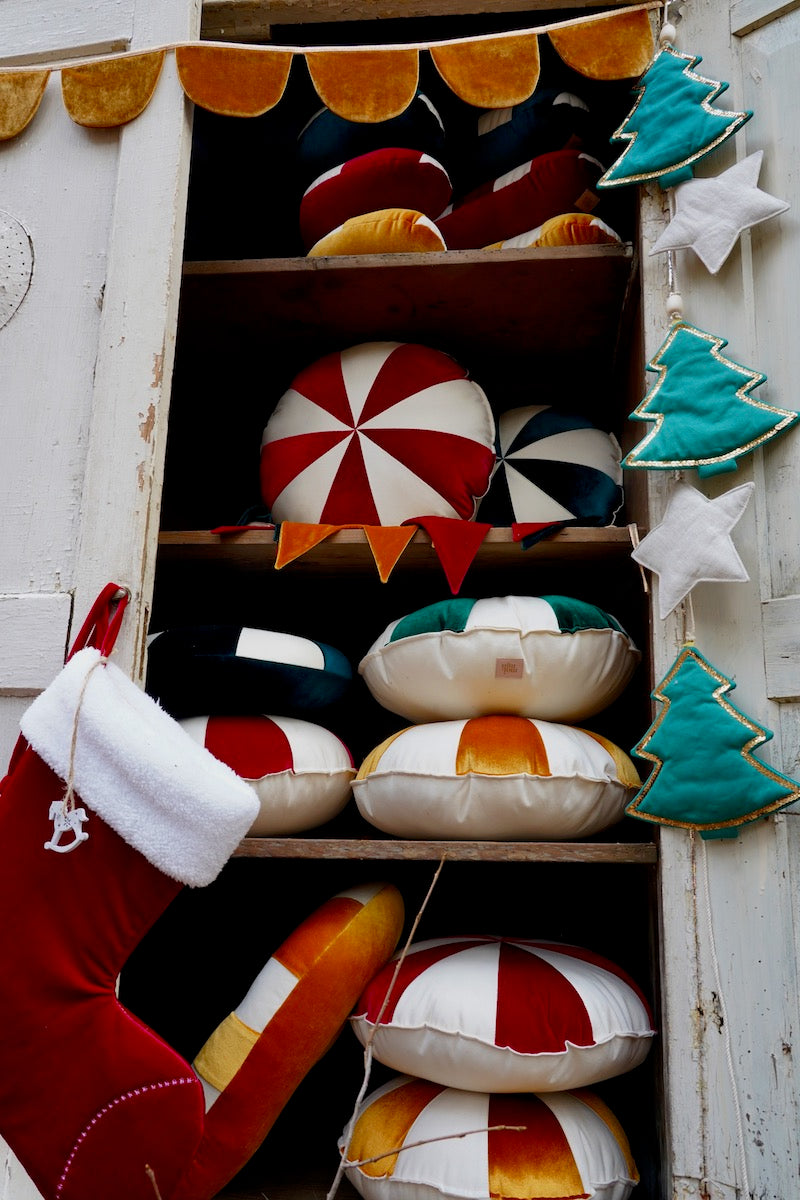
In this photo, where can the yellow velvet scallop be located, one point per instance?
(20, 96)
(618, 46)
(113, 91)
(365, 85)
(231, 80)
(494, 73)
(387, 231)
(567, 229)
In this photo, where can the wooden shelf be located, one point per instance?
(256, 549)
(641, 853)
(551, 300)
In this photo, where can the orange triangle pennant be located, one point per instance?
(456, 543)
(387, 543)
(295, 538)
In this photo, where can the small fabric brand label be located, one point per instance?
(509, 668)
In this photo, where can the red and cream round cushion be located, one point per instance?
(378, 434)
(559, 1145)
(497, 1015)
(301, 772)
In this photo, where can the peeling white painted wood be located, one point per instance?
(749, 15)
(782, 647)
(33, 634)
(59, 27)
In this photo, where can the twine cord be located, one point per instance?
(348, 1133)
(68, 802)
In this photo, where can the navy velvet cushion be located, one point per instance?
(328, 140)
(233, 669)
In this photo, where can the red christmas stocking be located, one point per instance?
(92, 1102)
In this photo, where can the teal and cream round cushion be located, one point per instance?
(551, 657)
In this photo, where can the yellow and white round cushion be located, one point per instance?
(504, 1015)
(499, 778)
(560, 1145)
(553, 657)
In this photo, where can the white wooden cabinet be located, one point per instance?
(88, 359)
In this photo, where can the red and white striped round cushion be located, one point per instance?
(496, 1015)
(559, 1145)
(378, 434)
(301, 772)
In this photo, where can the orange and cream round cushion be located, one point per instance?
(498, 777)
(559, 1145)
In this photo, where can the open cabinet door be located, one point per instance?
(730, 940)
(95, 216)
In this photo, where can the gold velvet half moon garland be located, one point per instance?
(359, 83)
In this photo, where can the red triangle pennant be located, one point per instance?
(456, 543)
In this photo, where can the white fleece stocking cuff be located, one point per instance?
(170, 799)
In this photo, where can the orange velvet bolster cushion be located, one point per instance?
(293, 1011)
(387, 231)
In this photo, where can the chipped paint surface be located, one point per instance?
(147, 424)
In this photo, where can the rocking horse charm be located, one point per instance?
(66, 820)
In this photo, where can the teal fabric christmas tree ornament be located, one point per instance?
(705, 416)
(705, 775)
(673, 123)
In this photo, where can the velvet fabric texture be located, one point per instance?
(505, 1015)
(113, 91)
(560, 1146)
(497, 778)
(551, 657)
(558, 182)
(378, 434)
(253, 1062)
(390, 178)
(20, 96)
(234, 82)
(234, 670)
(86, 1090)
(388, 231)
(301, 772)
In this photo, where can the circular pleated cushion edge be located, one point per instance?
(499, 778)
(502, 1015)
(560, 1145)
(235, 670)
(293, 1011)
(301, 772)
(495, 660)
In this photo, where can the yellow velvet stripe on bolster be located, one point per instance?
(626, 771)
(365, 85)
(614, 47)
(112, 92)
(495, 73)
(225, 1051)
(20, 96)
(231, 81)
(501, 746)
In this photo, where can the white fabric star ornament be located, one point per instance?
(712, 213)
(693, 543)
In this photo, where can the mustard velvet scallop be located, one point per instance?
(387, 231)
